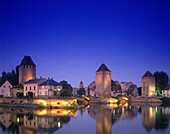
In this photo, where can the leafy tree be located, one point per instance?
(113, 85)
(66, 86)
(19, 95)
(81, 91)
(30, 94)
(12, 77)
(64, 92)
(161, 81)
(139, 91)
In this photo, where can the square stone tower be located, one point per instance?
(27, 70)
(103, 82)
(148, 84)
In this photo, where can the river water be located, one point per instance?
(100, 119)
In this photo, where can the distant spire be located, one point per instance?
(81, 82)
(103, 68)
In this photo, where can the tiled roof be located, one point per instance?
(103, 68)
(50, 82)
(34, 81)
(75, 89)
(148, 74)
(18, 86)
(27, 61)
(167, 88)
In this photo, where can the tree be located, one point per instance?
(66, 86)
(30, 94)
(113, 85)
(161, 81)
(81, 91)
(12, 77)
(139, 91)
(19, 95)
(64, 92)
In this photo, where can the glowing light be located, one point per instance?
(18, 119)
(42, 112)
(59, 124)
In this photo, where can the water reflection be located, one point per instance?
(29, 121)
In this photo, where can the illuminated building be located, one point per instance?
(148, 84)
(166, 92)
(15, 89)
(32, 86)
(27, 70)
(49, 88)
(5, 89)
(103, 82)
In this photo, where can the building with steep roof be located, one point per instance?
(32, 86)
(103, 82)
(166, 91)
(49, 88)
(5, 89)
(148, 84)
(27, 70)
(15, 89)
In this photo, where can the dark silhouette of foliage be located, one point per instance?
(139, 91)
(12, 77)
(66, 86)
(64, 92)
(161, 80)
(81, 91)
(113, 85)
(30, 94)
(19, 95)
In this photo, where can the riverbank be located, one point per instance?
(145, 100)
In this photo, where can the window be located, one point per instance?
(34, 87)
(4, 86)
(30, 88)
(26, 88)
(58, 87)
(55, 87)
(45, 92)
(9, 86)
(50, 87)
(40, 87)
(2, 91)
(40, 92)
(34, 94)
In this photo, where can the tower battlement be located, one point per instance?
(27, 70)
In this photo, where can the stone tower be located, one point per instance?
(148, 84)
(81, 85)
(27, 70)
(103, 82)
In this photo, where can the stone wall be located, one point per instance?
(145, 100)
(103, 84)
(26, 72)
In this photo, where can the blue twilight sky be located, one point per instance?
(70, 39)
